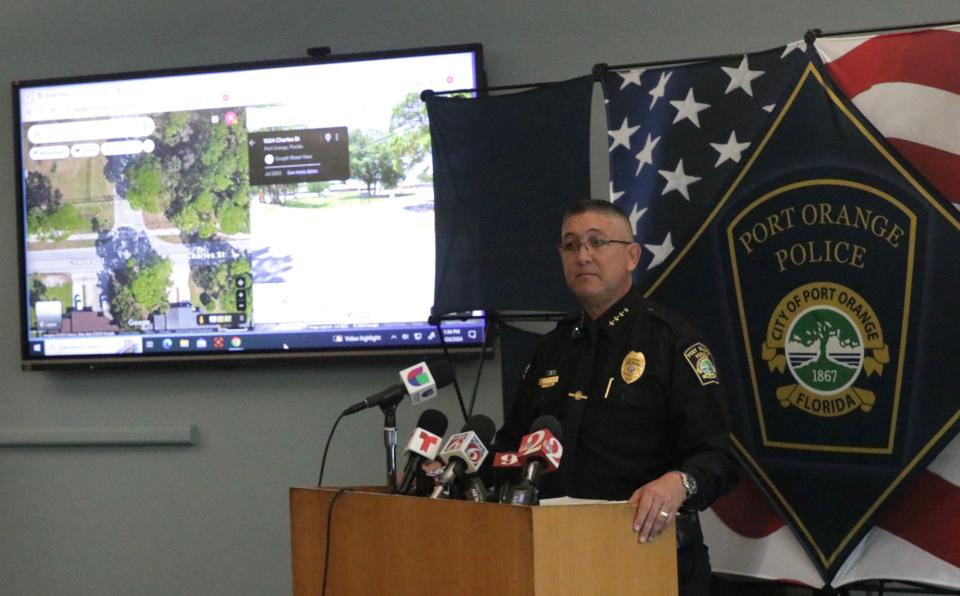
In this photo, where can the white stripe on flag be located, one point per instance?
(777, 556)
(902, 111)
(831, 49)
(883, 555)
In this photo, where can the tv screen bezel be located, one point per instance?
(97, 361)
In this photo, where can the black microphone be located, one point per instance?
(439, 374)
(506, 473)
(465, 452)
(540, 451)
(423, 446)
(474, 489)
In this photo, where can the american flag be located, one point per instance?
(916, 537)
(907, 85)
(678, 133)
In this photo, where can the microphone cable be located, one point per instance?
(446, 354)
(488, 332)
(326, 449)
(488, 328)
(326, 551)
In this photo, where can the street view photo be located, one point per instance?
(275, 208)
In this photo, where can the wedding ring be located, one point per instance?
(663, 514)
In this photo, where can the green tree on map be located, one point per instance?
(47, 216)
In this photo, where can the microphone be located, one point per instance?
(423, 446)
(506, 465)
(464, 452)
(420, 384)
(474, 490)
(419, 381)
(540, 452)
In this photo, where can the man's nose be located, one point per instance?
(584, 253)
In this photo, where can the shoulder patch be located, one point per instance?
(701, 361)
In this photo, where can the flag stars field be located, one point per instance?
(635, 214)
(621, 136)
(678, 180)
(631, 77)
(660, 89)
(741, 77)
(660, 252)
(689, 109)
(731, 150)
(726, 102)
(614, 195)
(645, 157)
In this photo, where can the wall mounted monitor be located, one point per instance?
(273, 209)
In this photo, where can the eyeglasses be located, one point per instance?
(594, 243)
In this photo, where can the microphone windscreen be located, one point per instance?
(433, 421)
(443, 373)
(548, 422)
(483, 426)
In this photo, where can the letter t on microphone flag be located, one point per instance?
(506, 167)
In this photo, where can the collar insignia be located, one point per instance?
(616, 318)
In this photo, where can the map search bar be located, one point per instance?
(91, 130)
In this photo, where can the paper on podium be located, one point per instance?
(578, 501)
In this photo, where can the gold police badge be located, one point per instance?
(632, 366)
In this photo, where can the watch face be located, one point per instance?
(689, 483)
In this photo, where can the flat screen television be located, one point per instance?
(270, 209)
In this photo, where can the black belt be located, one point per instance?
(688, 529)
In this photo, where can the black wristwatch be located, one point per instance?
(689, 484)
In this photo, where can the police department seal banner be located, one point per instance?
(818, 312)
(823, 279)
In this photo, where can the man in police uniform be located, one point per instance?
(636, 391)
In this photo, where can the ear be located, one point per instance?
(633, 251)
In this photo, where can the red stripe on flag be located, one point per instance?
(940, 168)
(746, 511)
(926, 515)
(923, 57)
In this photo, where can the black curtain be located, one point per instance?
(505, 169)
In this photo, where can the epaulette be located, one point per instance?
(673, 320)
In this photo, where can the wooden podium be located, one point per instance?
(398, 545)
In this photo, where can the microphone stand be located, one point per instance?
(389, 408)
